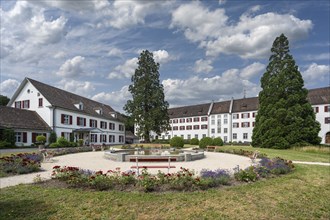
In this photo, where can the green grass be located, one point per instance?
(303, 194)
(310, 154)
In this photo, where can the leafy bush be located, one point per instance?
(5, 144)
(54, 145)
(73, 144)
(205, 141)
(80, 142)
(62, 142)
(8, 135)
(177, 142)
(217, 177)
(52, 137)
(217, 141)
(41, 139)
(194, 141)
(247, 175)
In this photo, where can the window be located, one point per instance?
(104, 125)
(182, 136)
(121, 128)
(182, 120)
(175, 128)
(225, 116)
(253, 123)
(66, 119)
(225, 139)
(245, 136)
(245, 124)
(235, 125)
(189, 127)
(163, 137)
(169, 137)
(170, 121)
(254, 114)
(81, 121)
(196, 136)
(203, 118)
(66, 135)
(219, 121)
(175, 121)
(93, 138)
(316, 109)
(225, 121)
(203, 126)
(196, 127)
(235, 116)
(212, 131)
(112, 126)
(189, 120)
(103, 137)
(40, 102)
(112, 138)
(81, 106)
(189, 136)
(225, 130)
(245, 115)
(92, 123)
(19, 137)
(182, 127)
(204, 135)
(326, 108)
(26, 104)
(196, 119)
(212, 121)
(219, 130)
(234, 136)
(121, 138)
(18, 104)
(327, 120)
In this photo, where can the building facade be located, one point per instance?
(234, 120)
(70, 115)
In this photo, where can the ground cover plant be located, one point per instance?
(303, 194)
(21, 163)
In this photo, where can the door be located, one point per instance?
(327, 138)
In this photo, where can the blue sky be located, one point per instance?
(207, 50)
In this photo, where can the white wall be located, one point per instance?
(320, 117)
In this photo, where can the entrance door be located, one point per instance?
(327, 138)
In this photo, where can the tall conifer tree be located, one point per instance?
(285, 117)
(148, 108)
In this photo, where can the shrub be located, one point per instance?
(8, 135)
(73, 144)
(177, 142)
(5, 144)
(247, 175)
(216, 178)
(194, 141)
(205, 141)
(80, 142)
(52, 137)
(54, 145)
(41, 139)
(217, 141)
(62, 142)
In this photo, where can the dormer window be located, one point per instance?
(99, 111)
(114, 114)
(80, 106)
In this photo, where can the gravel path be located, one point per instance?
(95, 161)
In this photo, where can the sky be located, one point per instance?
(209, 50)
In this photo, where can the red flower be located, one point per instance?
(99, 172)
(56, 167)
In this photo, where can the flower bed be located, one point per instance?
(183, 180)
(240, 152)
(19, 164)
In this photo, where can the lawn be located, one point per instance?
(303, 194)
(310, 154)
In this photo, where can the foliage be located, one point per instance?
(5, 144)
(52, 137)
(63, 142)
(41, 139)
(148, 108)
(194, 141)
(4, 100)
(215, 178)
(285, 117)
(217, 141)
(8, 135)
(80, 142)
(54, 145)
(247, 175)
(205, 141)
(177, 142)
(19, 164)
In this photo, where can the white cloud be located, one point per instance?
(116, 99)
(316, 73)
(316, 57)
(8, 87)
(203, 66)
(222, 2)
(72, 67)
(252, 70)
(115, 52)
(59, 55)
(250, 37)
(78, 87)
(124, 71)
(161, 56)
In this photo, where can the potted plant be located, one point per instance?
(41, 140)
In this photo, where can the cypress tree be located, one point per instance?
(148, 109)
(285, 118)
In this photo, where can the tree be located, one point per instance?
(285, 117)
(148, 109)
(4, 100)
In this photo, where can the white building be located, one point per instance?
(234, 120)
(69, 114)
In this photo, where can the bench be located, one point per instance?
(151, 167)
(254, 156)
(211, 148)
(138, 167)
(146, 159)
